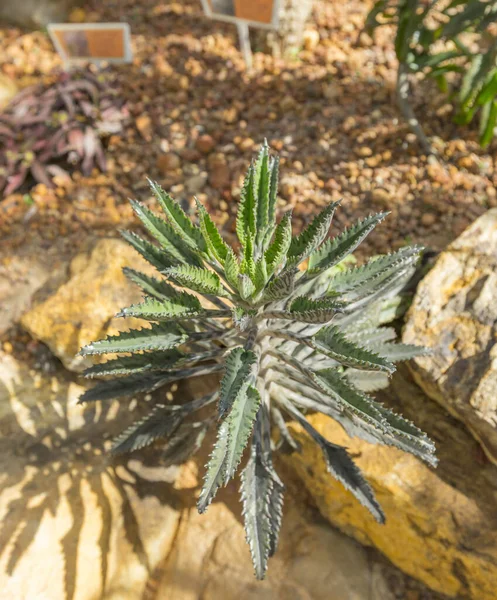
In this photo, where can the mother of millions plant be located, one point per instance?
(292, 327)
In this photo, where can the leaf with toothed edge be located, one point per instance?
(232, 269)
(158, 337)
(331, 341)
(276, 253)
(178, 219)
(239, 364)
(337, 248)
(196, 279)
(215, 469)
(152, 254)
(136, 363)
(240, 422)
(173, 245)
(256, 490)
(304, 244)
(342, 467)
(183, 305)
(157, 288)
(216, 246)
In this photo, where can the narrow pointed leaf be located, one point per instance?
(231, 269)
(172, 243)
(159, 289)
(240, 424)
(239, 366)
(256, 489)
(216, 469)
(154, 255)
(276, 253)
(304, 244)
(199, 280)
(137, 363)
(181, 223)
(336, 249)
(217, 247)
(331, 341)
(158, 337)
(182, 306)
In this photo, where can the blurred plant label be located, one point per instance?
(256, 13)
(91, 42)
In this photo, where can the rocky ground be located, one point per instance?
(197, 118)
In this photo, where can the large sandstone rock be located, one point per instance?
(83, 309)
(210, 561)
(454, 313)
(440, 524)
(74, 526)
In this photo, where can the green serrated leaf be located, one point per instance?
(256, 493)
(216, 469)
(276, 253)
(334, 383)
(247, 209)
(181, 223)
(245, 287)
(196, 279)
(263, 190)
(261, 275)
(311, 238)
(336, 249)
(217, 247)
(154, 255)
(239, 367)
(137, 363)
(240, 422)
(181, 306)
(231, 269)
(158, 337)
(173, 245)
(273, 196)
(331, 341)
(159, 289)
(281, 286)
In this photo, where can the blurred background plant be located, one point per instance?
(47, 130)
(454, 43)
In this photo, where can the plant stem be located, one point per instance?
(403, 89)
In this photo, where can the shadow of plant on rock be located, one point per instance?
(68, 511)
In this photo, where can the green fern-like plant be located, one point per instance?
(289, 321)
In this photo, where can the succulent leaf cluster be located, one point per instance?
(47, 129)
(291, 325)
(444, 38)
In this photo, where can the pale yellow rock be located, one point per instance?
(454, 313)
(440, 524)
(210, 561)
(83, 309)
(73, 526)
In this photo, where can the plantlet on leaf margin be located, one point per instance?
(287, 341)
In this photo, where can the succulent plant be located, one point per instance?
(439, 38)
(47, 128)
(289, 322)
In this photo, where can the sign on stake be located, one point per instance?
(256, 13)
(79, 43)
